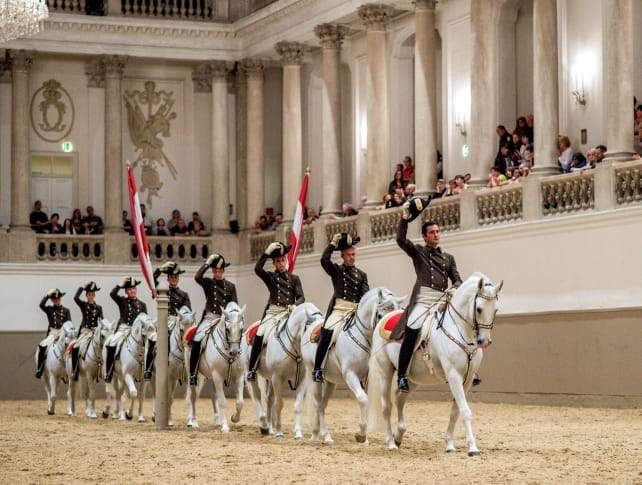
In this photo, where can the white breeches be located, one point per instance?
(342, 308)
(210, 320)
(424, 306)
(273, 316)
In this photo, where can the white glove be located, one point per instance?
(335, 240)
(272, 247)
(405, 215)
(210, 260)
(51, 292)
(450, 292)
(124, 281)
(167, 266)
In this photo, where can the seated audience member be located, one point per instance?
(578, 163)
(278, 220)
(95, 222)
(524, 170)
(452, 187)
(86, 227)
(467, 178)
(525, 143)
(147, 220)
(410, 190)
(503, 159)
(76, 220)
(517, 145)
(195, 217)
(495, 178)
(440, 189)
(504, 137)
(600, 152)
(54, 227)
(515, 176)
(397, 182)
(172, 221)
(347, 210)
(180, 229)
(197, 230)
(309, 215)
(529, 155)
(460, 184)
(262, 224)
(521, 126)
(160, 229)
(68, 227)
(38, 219)
(388, 203)
(127, 224)
(408, 170)
(566, 153)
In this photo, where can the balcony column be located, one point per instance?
(240, 84)
(220, 152)
(21, 62)
(292, 56)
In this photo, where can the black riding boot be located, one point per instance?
(405, 356)
(109, 363)
(322, 349)
(257, 346)
(40, 363)
(149, 360)
(194, 357)
(74, 362)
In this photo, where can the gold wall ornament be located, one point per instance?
(145, 130)
(52, 112)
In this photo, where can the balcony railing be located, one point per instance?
(181, 249)
(259, 242)
(499, 205)
(66, 6)
(67, 247)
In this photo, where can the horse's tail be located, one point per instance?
(375, 375)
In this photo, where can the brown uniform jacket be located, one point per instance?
(56, 315)
(92, 313)
(217, 293)
(285, 288)
(128, 308)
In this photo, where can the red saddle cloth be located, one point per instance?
(70, 346)
(389, 322)
(315, 334)
(251, 332)
(189, 334)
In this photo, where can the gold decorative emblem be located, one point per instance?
(145, 130)
(52, 112)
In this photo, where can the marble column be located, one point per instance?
(255, 150)
(425, 97)
(619, 78)
(114, 174)
(331, 37)
(375, 17)
(241, 148)
(484, 16)
(220, 151)
(546, 101)
(20, 163)
(291, 56)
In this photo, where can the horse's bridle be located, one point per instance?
(475, 324)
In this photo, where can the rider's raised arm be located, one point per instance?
(402, 240)
(43, 304)
(326, 261)
(453, 274)
(260, 271)
(299, 297)
(77, 299)
(199, 277)
(114, 294)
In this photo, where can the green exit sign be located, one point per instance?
(67, 146)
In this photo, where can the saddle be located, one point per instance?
(315, 335)
(251, 332)
(390, 328)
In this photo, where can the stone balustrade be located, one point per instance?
(608, 187)
(66, 6)
(167, 9)
(69, 247)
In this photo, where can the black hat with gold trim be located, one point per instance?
(171, 269)
(216, 261)
(278, 249)
(55, 293)
(347, 241)
(129, 282)
(91, 286)
(416, 206)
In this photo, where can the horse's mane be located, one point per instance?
(470, 284)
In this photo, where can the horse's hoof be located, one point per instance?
(450, 450)
(50, 413)
(235, 418)
(105, 414)
(360, 438)
(225, 429)
(279, 434)
(265, 431)
(92, 416)
(71, 414)
(141, 419)
(392, 446)
(153, 419)
(170, 424)
(298, 436)
(328, 440)
(129, 416)
(473, 453)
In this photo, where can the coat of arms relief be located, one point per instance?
(149, 113)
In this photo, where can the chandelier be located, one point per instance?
(19, 18)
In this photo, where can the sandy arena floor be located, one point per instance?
(526, 444)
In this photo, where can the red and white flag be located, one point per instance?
(139, 230)
(297, 224)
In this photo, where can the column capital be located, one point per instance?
(331, 35)
(219, 70)
(114, 66)
(202, 78)
(95, 71)
(253, 69)
(425, 4)
(375, 16)
(291, 52)
(21, 60)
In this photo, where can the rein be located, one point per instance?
(293, 354)
(229, 358)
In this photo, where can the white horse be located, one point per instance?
(176, 362)
(282, 363)
(220, 360)
(347, 361)
(453, 354)
(54, 368)
(88, 368)
(128, 367)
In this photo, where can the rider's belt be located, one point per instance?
(344, 305)
(429, 296)
(275, 310)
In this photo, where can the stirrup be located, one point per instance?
(251, 375)
(476, 380)
(317, 375)
(403, 384)
(193, 380)
(147, 375)
(39, 373)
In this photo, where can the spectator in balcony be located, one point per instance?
(397, 182)
(600, 152)
(127, 224)
(452, 187)
(529, 155)
(521, 125)
(68, 227)
(460, 184)
(95, 222)
(173, 221)
(180, 229)
(566, 153)
(530, 121)
(467, 178)
(578, 163)
(198, 230)
(277, 221)
(54, 227)
(516, 138)
(38, 219)
(515, 176)
(503, 159)
(392, 201)
(160, 228)
(525, 143)
(76, 220)
(408, 170)
(637, 128)
(440, 189)
(309, 215)
(347, 210)
(409, 191)
(504, 137)
(147, 220)
(196, 218)
(495, 178)
(524, 170)
(262, 224)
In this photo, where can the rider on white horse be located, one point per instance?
(350, 284)
(92, 314)
(285, 291)
(129, 307)
(57, 315)
(177, 300)
(433, 268)
(218, 293)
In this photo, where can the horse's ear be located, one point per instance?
(380, 294)
(499, 287)
(480, 285)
